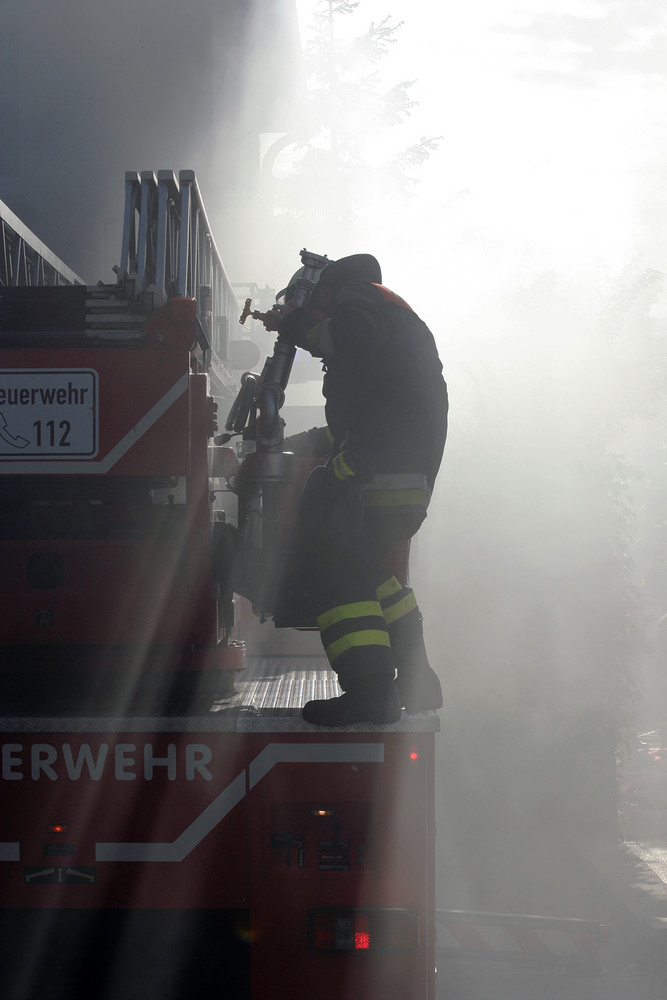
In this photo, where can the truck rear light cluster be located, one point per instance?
(371, 929)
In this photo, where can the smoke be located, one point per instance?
(531, 243)
(528, 248)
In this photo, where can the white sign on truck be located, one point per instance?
(48, 413)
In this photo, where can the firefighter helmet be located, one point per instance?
(357, 267)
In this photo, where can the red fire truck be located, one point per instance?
(170, 827)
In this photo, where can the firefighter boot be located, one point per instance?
(418, 685)
(373, 700)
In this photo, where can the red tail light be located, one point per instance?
(375, 928)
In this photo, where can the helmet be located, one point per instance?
(357, 267)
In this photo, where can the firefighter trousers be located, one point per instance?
(364, 614)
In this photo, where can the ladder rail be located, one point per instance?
(168, 249)
(25, 260)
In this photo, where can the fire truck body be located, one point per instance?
(240, 850)
(169, 825)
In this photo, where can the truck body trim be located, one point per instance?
(313, 753)
(215, 812)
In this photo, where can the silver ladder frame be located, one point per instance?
(168, 249)
(25, 260)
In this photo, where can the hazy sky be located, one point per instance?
(552, 113)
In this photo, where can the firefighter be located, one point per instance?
(386, 411)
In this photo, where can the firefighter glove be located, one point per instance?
(294, 326)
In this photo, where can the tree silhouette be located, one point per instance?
(326, 173)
